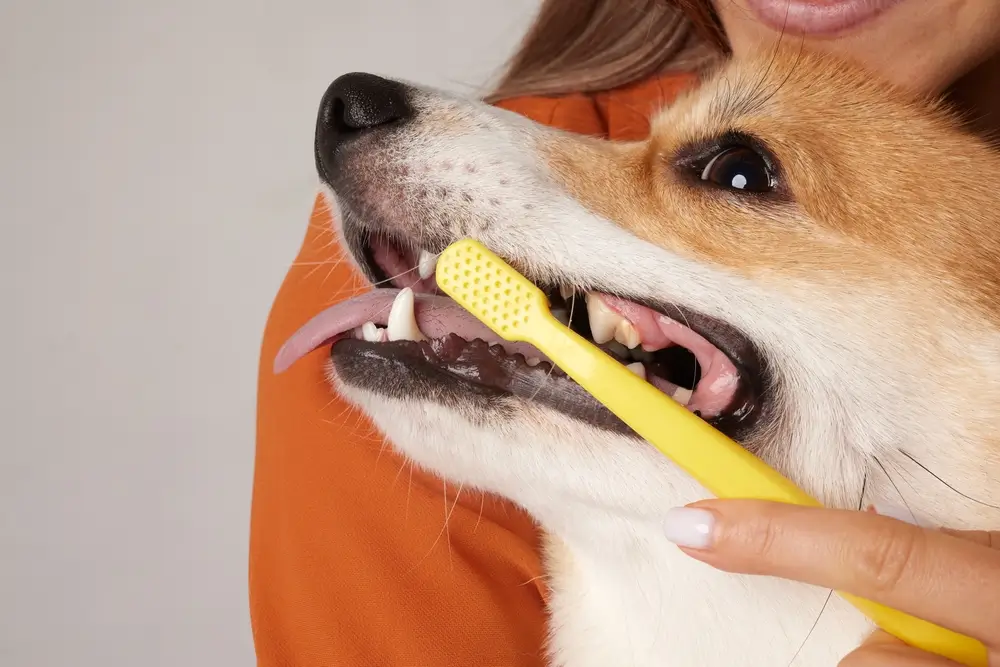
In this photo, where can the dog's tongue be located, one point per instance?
(437, 316)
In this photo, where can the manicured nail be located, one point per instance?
(893, 512)
(689, 527)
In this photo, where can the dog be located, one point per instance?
(805, 256)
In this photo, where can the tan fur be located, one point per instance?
(887, 188)
(883, 181)
(868, 280)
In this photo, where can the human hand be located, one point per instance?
(947, 577)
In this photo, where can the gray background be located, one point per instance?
(155, 182)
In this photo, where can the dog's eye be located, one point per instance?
(739, 168)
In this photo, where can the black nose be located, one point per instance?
(355, 103)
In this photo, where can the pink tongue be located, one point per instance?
(437, 316)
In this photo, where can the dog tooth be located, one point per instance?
(370, 332)
(561, 315)
(532, 361)
(638, 369)
(566, 292)
(426, 264)
(683, 395)
(603, 320)
(402, 321)
(626, 334)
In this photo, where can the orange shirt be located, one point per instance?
(357, 559)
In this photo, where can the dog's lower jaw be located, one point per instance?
(621, 594)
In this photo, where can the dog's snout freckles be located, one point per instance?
(427, 165)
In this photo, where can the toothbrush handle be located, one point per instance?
(736, 472)
(669, 426)
(922, 634)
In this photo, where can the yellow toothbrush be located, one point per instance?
(514, 308)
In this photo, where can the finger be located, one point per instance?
(987, 538)
(944, 579)
(884, 650)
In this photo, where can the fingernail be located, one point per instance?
(689, 527)
(893, 512)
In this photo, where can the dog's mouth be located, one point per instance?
(405, 331)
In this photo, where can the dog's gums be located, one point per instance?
(413, 325)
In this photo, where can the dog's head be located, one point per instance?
(806, 257)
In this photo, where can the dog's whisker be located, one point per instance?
(447, 519)
(482, 506)
(812, 629)
(381, 450)
(388, 281)
(445, 528)
(324, 262)
(345, 293)
(899, 493)
(402, 465)
(316, 267)
(537, 577)
(829, 593)
(938, 478)
(409, 489)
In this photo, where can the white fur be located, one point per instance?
(622, 594)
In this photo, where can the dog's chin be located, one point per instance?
(518, 448)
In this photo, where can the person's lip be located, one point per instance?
(818, 17)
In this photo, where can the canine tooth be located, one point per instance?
(426, 264)
(626, 334)
(561, 315)
(370, 332)
(566, 292)
(402, 321)
(683, 395)
(638, 369)
(603, 320)
(532, 361)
